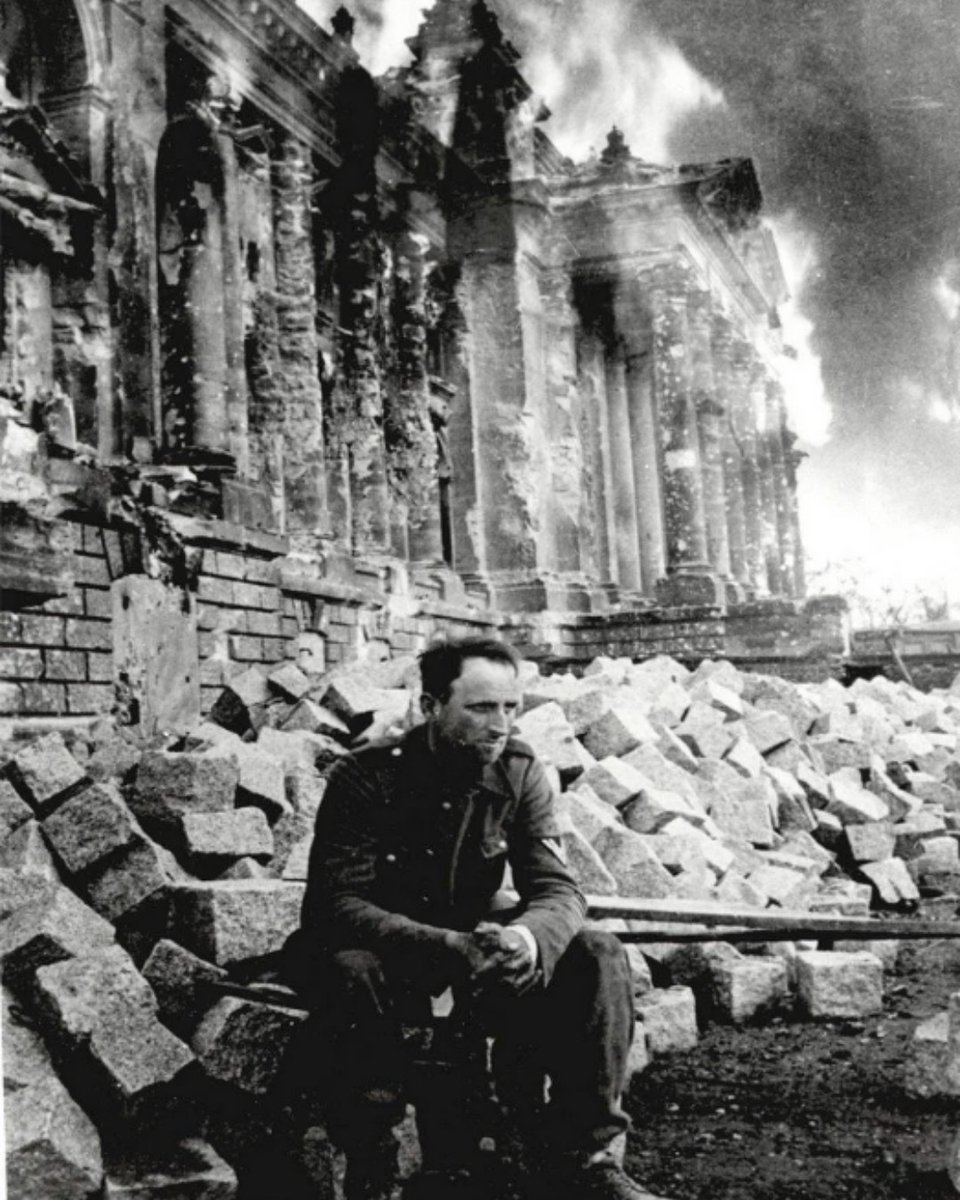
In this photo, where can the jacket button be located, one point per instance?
(396, 752)
(445, 804)
(429, 852)
(391, 858)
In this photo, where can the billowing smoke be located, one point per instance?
(851, 112)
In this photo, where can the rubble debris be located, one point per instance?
(716, 786)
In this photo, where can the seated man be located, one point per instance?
(410, 849)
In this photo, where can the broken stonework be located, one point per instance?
(169, 783)
(45, 773)
(744, 812)
(669, 1017)
(617, 731)
(52, 924)
(260, 780)
(210, 840)
(925, 1069)
(587, 866)
(140, 873)
(242, 1043)
(614, 781)
(225, 921)
(14, 811)
(88, 827)
(106, 1013)
(748, 988)
(832, 984)
(27, 852)
(634, 866)
(870, 843)
(242, 704)
(177, 977)
(549, 734)
(892, 881)
(192, 1169)
(52, 1146)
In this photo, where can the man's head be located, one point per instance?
(471, 695)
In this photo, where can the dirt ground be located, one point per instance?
(793, 1110)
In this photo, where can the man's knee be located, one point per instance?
(602, 950)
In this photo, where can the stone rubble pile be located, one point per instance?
(131, 874)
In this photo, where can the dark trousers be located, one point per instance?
(577, 1030)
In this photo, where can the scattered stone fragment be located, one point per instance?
(586, 811)
(242, 704)
(52, 1147)
(14, 810)
(242, 1042)
(212, 839)
(88, 827)
(871, 843)
(550, 735)
(45, 773)
(26, 851)
(177, 977)
(52, 924)
(587, 866)
(631, 862)
(191, 1169)
(925, 1068)
(745, 758)
(669, 1017)
(120, 885)
(745, 812)
(305, 790)
(171, 783)
(613, 780)
(653, 808)
(832, 984)
(892, 881)
(225, 921)
(620, 729)
(245, 868)
(314, 718)
(289, 681)
(106, 1012)
(852, 804)
(748, 988)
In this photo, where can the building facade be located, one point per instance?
(299, 363)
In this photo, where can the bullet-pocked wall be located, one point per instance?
(342, 362)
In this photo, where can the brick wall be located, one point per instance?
(56, 658)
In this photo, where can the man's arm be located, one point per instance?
(339, 911)
(552, 905)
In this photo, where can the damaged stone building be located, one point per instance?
(300, 364)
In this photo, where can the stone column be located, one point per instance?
(626, 533)
(786, 549)
(690, 579)
(792, 459)
(646, 470)
(357, 419)
(297, 344)
(769, 540)
(709, 410)
(568, 512)
(730, 455)
(593, 388)
(744, 426)
(411, 442)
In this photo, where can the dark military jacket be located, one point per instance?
(402, 851)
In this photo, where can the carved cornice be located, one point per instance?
(288, 61)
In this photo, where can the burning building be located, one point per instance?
(296, 363)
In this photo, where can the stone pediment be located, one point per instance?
(41, 185)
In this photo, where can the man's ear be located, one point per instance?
(428, 704)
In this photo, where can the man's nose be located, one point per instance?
(500, 722)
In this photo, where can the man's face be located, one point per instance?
(475, 719)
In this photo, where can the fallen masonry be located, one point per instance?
(134, 874)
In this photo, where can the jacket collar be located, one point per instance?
(492, 778)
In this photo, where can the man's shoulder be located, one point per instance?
(518, 749)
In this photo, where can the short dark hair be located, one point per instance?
(442, 663)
